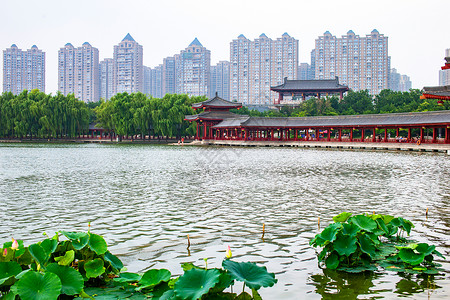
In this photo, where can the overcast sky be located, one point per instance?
(418, 31)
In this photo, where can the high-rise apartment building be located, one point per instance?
(360, 62)
(128, 66)
(147, 90)
(157, 82)
(444, 75)
(220, 80)
(23, 70)
(399, 82)
(78, 72)
(192, 67)
(257, 65)
(106, 72)
(304, 72)
(169, 75)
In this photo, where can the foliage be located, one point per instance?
(78, 264)
(362, 242)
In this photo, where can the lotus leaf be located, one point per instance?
(188, 266)
(332, 261)
(364, 222)
(66, 259)
(49, 245)
(425, 248)
(195, 283)
(367, 246)
(382, 226)
(154, 277)
(342, 217)
(35, 286)
(115, 262)
(244, 296)
(329, 233)
(387, 218)
(79, 239)
(39, 254)
(350, 229)
(97, 244)
(252, 275)
(345, 244)
(71, 280)
(411, 257)
(317, 241)
(128, 277)
(162, 292)
(8, 270)
(406, 225)
(19, 251)
(225, 280)
(438, 254)
(358, 269)
(94, 268)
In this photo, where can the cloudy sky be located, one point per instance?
(418, 31)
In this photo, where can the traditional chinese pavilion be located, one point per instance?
(304, 88)
(215, 110)
(440, 93)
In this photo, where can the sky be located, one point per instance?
(418, 31)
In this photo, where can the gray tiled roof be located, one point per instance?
(217, 102)
(212, 115)
(310, 85)
(437, 90)
(379, 120)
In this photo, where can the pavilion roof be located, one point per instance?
(310, 85)
(437, 92)
(212, 115)
(369, 120)
(217, 102)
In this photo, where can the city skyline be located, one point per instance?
(416, 41)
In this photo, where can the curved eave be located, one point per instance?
(437, 97)
(340, 89)
(194, 106)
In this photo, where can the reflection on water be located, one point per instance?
(146, 199)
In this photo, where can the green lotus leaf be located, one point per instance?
(411, 257)
(367, 246)
(322, 254)
(66, 259)
(115, 262)
(350, 229)
(128, 277)
(162, 292)
(195, 283)
(438, 254)
(382, 226)
(8, 270)
(317, 241)
(49, 245)
(35, 286)
(345, 244)
(94, 268)
(391, 230)
(225, 280)
(425, 248)
(153, 277)
(406, 225)
(329, 233)
(10, 296)
(358, 269)
(342, 217)
(411, 246)
(79, 239)
(332, 261)
(364, 222)
(187, 266)
(387, 218)
(72, 282)
(97, 244)
(375, 217)
(39, 254)
(243, 296)
(252, 275)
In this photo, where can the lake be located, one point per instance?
(146, 199)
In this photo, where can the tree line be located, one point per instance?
(35, 114)
(355, 103)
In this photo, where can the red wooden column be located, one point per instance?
(447, 134)
(317, 134)
(340, 135)
(280, 97)
(296, 134)
(409, 134)
(307, 134)
(204, 130)
(362, 134)
(421, 135)
(351, 134)
(271, 135)
(397, 132)
(374, 135)
(385, 135)
(329, 134)
(434, 134)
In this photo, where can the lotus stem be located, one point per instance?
(426, 213)
(264, 230)
(318, 223)
(189, 241)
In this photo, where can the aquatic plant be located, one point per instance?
(80, 265)
(364, 242)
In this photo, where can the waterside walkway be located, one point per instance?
(441, 148)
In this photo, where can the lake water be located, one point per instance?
(146, 199)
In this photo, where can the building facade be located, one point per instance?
(128, 66)
(157, 82)
(359, 62)
(106, 72)
(399, 82)
(192, 68)
(444, 74)
(23, 70)
(78, 72)
(220, 80)
(169, 76)
(257, 65)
